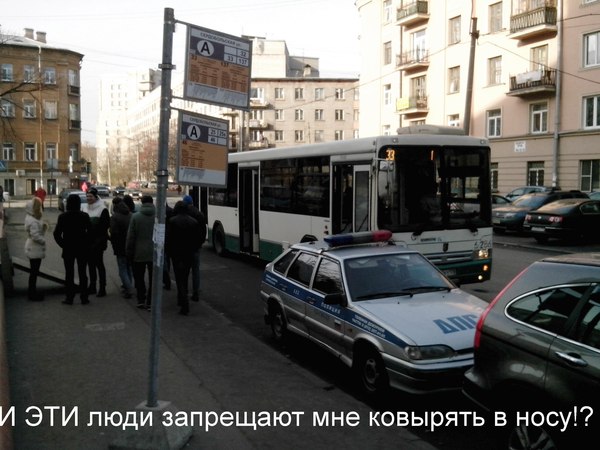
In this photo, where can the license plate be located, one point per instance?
(538, 229)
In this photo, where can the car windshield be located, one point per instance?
(529, 201)
(380, 276)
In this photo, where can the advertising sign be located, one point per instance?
(202, 151)
(217, 69)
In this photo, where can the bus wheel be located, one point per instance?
(219, 240)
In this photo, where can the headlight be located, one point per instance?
(429, 352)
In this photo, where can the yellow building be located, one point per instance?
(40, 115)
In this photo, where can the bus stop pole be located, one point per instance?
(162, 178)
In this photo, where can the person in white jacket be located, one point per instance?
(35, 245)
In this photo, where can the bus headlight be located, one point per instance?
(482, 253)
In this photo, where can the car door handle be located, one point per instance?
(573, 359)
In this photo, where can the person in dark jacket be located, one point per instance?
(182, 241)
(140, 250)
(196, 214)
(100, 219)
(72, 236)
(119, 224)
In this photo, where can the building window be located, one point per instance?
(356, 115)
(8, 151)
(7, 72)
(385, 130)
(30, 153)
(299, 136)
(319, 135)
(7, 108)
(339, 94)
(495, 17)
(73, 77)
(454, 120)
(339, 135)
(257, 114)
(591, 52)
(299, 114)
(387, 53)
(535, 173)
(387, 11)
(49, 75)
(319, 94)
(387, 94)
(299, 93)
(539, 58)
(29, 108)
(494, 123)
(29, 73)
(494, 176)
(74, 118)
(454, 80)
(278, 135)
(495, 70)
(319, 114)
(257, 93)
(454, 29)
(279, 94)
(339, 114)
(51, 151)
(418, 90)
(590, 175)
(539, 118)
(50, 109)
(591, 111)
(356, 134)
(74, 152)
(279, 114)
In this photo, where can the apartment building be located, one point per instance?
(290, 104)
(533, 80)
(40, 121)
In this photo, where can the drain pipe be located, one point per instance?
(557, 112)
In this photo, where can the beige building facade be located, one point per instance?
(40, 115)
(533, 81)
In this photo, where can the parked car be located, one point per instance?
(570, 218)
(103, 190)
(64, 194)
(537, 352)
(499, 200)
(383, 310)
(118, 190)
(516, 193)
(511, 217)
(594, 195)
(135, 193)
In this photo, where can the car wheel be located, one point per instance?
(371, 373)
(218, 239)
(278, 323)
(523, 437)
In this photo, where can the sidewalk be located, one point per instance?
(96, 358)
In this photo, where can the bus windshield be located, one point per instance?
(433, 187)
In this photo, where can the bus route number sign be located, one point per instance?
(218, 68)
(203, 150)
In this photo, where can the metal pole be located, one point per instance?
(469, 95)
(162, 178)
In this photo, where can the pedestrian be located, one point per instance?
(140, 250)
(183, 240)
(119, 224)
(72, 236)
(196, 214)
(128, 200)
(100, 219)
(41, 194)
(35, 245)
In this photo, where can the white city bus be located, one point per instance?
(429, 185)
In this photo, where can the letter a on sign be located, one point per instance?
(193, 132)
(205, 48)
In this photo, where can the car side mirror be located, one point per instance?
(336, 298)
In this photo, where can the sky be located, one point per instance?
(118, 36)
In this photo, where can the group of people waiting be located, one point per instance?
(83, 232)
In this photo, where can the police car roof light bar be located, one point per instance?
(361, 237)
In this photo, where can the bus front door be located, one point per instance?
(248, 211)
(350, 202)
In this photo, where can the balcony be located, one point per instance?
(533, 23)
(256, 123)
(413, 60)
(255, 145)
(532, 83)
(258, 103)
(412, 13)
(415, 105)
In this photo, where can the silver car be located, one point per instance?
(385, 311)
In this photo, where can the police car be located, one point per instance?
(385, 311)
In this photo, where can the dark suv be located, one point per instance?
(511, 217)
(537, 353)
